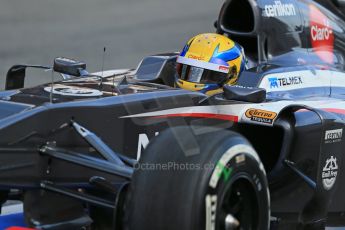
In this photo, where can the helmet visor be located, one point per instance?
(200, 75)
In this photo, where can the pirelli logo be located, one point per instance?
(262, 116)
(332, 136)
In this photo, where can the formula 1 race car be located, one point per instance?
(125, 149)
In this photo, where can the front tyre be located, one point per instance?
(225, 186)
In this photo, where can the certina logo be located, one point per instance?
(259, 115)
(278, 9)
(332, 136)
(278, 82)
(329, 173)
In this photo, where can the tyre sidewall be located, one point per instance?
(243, 165)
(177, 199)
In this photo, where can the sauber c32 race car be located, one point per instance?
(125, 149)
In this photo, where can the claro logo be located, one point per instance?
(200, 58)
(321, 34)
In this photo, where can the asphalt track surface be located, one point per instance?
(37, 31)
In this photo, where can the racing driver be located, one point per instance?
(207, 62)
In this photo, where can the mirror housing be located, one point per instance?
(70, 67)
(15, 77)
(247, 94)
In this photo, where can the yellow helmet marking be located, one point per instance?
(190, 85)
(200, 47)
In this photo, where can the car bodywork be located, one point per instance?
(57, 137)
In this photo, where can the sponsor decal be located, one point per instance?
(329, 173)
(259, 115)
(200, 58)
(227, 157)
(240, 159)
(73, 91)
(333, 136)
(143, 141)
(276, 82)
(223, 170)
(278, 9)
(243, 87)
(140, 88)
(223, 68)
(257, 182)
(321, 34)
(211, 211)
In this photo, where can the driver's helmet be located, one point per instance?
(207, 62)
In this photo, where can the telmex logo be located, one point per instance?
(277, 82)
(280, 10)
(321, 34)
(261, 115)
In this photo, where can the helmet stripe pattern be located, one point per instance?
(225, 56)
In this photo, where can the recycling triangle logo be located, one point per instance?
(329, 173)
